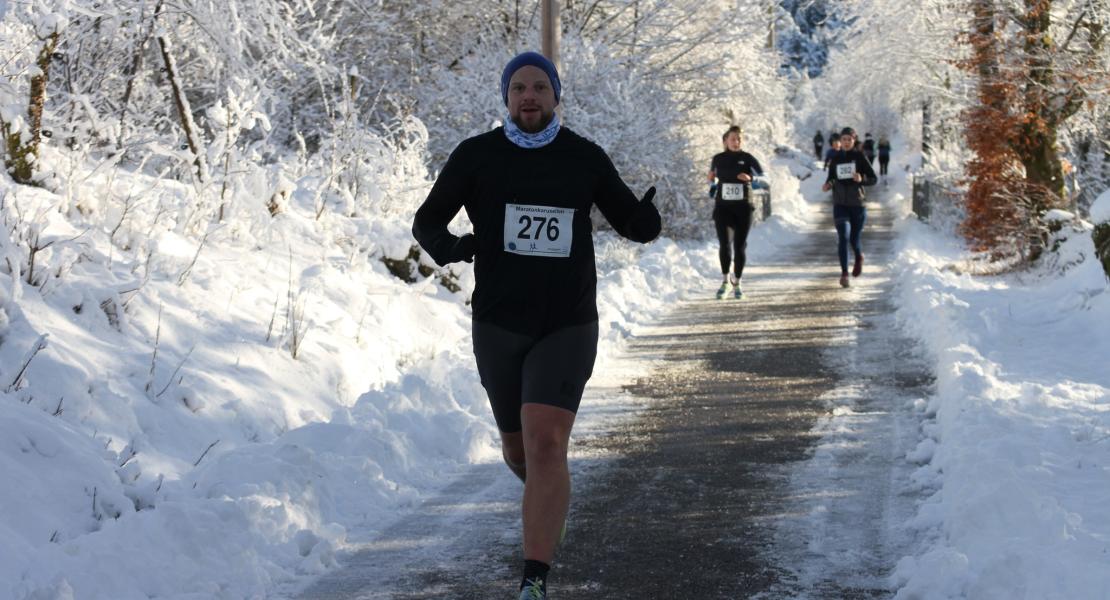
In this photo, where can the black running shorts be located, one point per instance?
(517, 368)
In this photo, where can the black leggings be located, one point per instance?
(515, 368)
(738, 217)
(883, 162)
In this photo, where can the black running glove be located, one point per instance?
(464, 249)
(644, 224)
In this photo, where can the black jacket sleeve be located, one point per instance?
(450, 191)
(637, 220)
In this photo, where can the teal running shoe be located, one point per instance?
(534, 589)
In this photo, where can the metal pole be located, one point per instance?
(635, 23)
(771, 26)
(551, 30)
(926, 131)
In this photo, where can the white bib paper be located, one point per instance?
(538, 230)
(845, 170)
(732, 191)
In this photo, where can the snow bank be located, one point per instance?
(1014, 456)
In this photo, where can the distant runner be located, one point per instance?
(818, 145)
(528, 188)
(884, 157)
(834, 147)
(733, 170)
(848, 173)
(869, 148)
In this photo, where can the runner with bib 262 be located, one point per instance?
(849, 172)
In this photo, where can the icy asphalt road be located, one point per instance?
(766, 460)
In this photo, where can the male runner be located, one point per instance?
(869, 148)
(884, 157)
(834, 147)
(528, 187)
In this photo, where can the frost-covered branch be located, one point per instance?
(39, 345)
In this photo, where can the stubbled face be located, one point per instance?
(531, 99)
(732, 142)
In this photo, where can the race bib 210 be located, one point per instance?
(732, 191)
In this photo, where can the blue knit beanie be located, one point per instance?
(536, 60)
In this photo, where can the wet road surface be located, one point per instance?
(767, 461)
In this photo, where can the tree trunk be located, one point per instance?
(23, 152)
(1037, 147)
(551, 31)
(1042, 165)
(184, 111)
(987, 50)
(133, 72)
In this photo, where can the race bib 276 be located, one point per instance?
(538, 230)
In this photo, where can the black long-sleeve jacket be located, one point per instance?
(844, 187)
(727, 166)
(532, 244)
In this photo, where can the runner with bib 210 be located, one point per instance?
(733, 170)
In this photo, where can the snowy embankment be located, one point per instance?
(1015, 451)
(207, 412)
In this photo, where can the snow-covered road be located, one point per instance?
(761, 452)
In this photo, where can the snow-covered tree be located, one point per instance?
(916, 41)
(806, 32)
(654, 82)
(32, 31)
(1038, 64)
